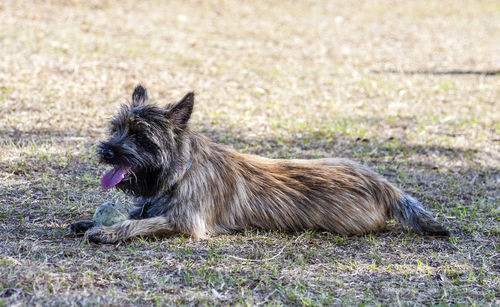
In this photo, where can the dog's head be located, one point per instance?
(144, 142)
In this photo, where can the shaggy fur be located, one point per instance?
(185, 183)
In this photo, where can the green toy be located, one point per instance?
(109, 214)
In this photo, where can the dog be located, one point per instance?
(184, 183)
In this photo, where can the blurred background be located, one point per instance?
(289, 62)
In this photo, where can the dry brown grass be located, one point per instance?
(278, 78)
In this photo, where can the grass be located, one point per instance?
(287, 79)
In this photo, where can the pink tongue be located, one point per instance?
(113, 177)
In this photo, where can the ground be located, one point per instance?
(410, 88)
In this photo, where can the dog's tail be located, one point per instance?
(410, 212)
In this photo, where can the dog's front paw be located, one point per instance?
(80, 227)
(102, 235)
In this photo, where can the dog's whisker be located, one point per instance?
(133, 173)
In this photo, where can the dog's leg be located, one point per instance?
(131, 228)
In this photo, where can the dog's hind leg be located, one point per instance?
(131, 228)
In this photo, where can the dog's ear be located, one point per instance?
(140, 96)
(181, 111)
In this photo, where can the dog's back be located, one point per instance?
(335, 195)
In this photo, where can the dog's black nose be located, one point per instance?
(106, 153)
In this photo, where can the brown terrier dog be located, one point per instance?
(185, 183)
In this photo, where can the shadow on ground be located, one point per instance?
(453, 72)
(49, 188)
